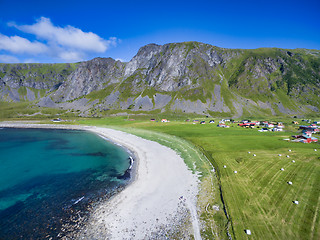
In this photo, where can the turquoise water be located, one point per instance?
(47, 175)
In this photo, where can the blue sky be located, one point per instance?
(70, 31)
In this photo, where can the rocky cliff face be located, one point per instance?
(186, 77)
(90, 76)
(32, 78)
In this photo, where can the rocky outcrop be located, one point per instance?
(90, 76)
(45, 77)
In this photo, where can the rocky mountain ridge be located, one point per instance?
(187, 77)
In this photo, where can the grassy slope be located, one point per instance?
(26, 111)
(257, 197)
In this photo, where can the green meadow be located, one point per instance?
(257, 197)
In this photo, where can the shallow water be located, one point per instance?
(49, 178)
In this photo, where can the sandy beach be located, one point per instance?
(159, 203)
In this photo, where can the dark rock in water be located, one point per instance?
(126, 175)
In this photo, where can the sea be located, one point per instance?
(50, 180)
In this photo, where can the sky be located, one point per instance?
(54, 31)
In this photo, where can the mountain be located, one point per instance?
(188, 77)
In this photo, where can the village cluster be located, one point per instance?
(266, 126)
(306, 135)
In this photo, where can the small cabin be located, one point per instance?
(56, 120)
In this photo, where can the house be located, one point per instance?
(211, 121)
(306, 137)
(269, 125)
(223, 125)
(277, 129)
(203, 122)
(311, 128)
(164, 120)
(248, 232)
(56, 120)
(257, 123)
(295, 122)
(152, 120)
(247, 125)
(316, 122)
(245, 121)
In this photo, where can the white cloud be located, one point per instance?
(67, 43)
(70, 56)
(8, 59)
(16, 44)
(68, 37)
(30, 60)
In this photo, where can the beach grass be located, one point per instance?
(258, 196)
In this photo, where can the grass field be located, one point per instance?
(258, 196)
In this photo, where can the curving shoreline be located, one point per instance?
(160, 200)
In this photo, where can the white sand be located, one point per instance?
(152, 203)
